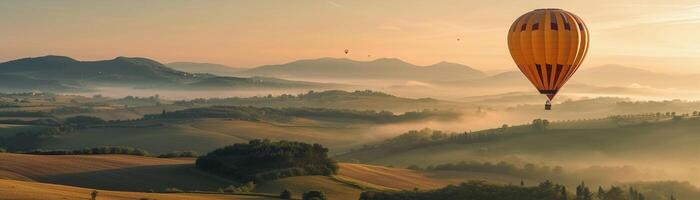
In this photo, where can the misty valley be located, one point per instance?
(349, 100)
(368, 144)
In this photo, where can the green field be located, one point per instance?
(7, 130)
(203, 135)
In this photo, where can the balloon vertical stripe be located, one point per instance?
(548, 46)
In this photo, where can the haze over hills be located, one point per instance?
(202, 68)
(63, 73)
(617, 75)
(456, 81)
(613, 76)
(382, 68)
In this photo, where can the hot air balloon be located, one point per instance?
(548, 45)
(347, 51)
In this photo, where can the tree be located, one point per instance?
(540, 124)
(583, 193)
(313, 195)
(634, 195)
(564, 195)
(264, 160)
(286, 194)
(601, 193)
(93, 195)
(614, 193)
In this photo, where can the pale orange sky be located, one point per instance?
(656, 35)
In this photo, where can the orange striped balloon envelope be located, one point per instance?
(548, 45)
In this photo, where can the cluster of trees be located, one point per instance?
(527, 170)
(617, 193)
(284, 114)
(179, 154)
(245, 188)
(70, 110)
(477, 190)
(83, 121)
(27, 140)
(540, 124)
(93, 151)
(330, 95)
(482, 191)
(264, 160)
(428, 137)
(308, 195)
(24, 114)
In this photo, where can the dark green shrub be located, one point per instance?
(246, 188)
(313, 195)
(92, 151)
(83, 121)
(286, 194)
(173, 190)
(179, 154)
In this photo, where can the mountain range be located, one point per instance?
(205, 68)
(382, 68)
(60, 73)
(441, 73)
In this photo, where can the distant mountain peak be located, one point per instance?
(47, 58)
(380, 68)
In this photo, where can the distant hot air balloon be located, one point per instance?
(347, 51)
(548, 45)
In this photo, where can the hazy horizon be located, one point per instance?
(248, 34)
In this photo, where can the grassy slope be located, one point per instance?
(394, 178)
(115, 172)
(205, 135)
(133, 173)
(21, 190)
(638, 142)
(11, 129)
(128, 113)
(332, 188)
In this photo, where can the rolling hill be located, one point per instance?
(110, 172)
(615, 77)
(383, 68)
(615, 138)
(205, 68)
(336, 99)
(134, 173)
(203, 135)
(23, 190)
(60, 73)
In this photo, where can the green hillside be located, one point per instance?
(622, 138)
(335, 99)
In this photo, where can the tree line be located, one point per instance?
(264, 160)
(250, 113)
(483, 191)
